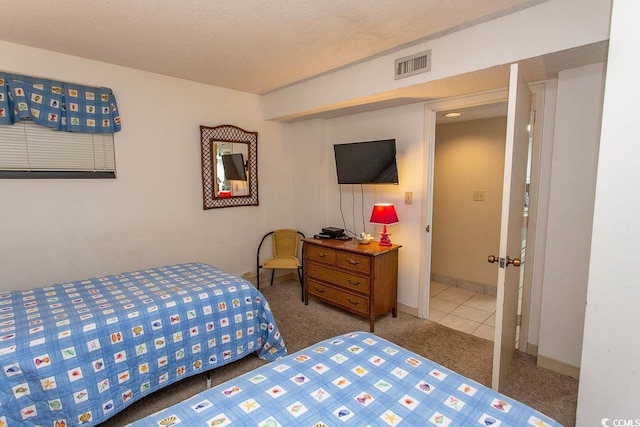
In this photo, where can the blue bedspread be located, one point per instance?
(356, 379)
(77, 353)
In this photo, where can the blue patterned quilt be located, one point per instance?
(357, 379)
(77, 353)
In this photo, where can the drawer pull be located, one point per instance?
(354, 283)
(319, 290)
(353, 261)
(321, 254)
(353, 302)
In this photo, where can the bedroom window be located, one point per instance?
(31, 151)
(55, 129)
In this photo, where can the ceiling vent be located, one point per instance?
(412, 65)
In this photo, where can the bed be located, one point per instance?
(357, 379)
(79, 352)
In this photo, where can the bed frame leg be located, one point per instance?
(208, 380)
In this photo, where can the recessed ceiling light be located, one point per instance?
(449, 115)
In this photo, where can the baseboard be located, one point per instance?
(532, 349)
(464, 284)
(559, 367)
(408, 310)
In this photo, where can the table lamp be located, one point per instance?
(384, 213)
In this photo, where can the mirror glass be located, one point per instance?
(231, 175)
(229, 166)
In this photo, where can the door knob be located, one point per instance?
(514, 261)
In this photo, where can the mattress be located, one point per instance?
(357, 379)
(79, 352)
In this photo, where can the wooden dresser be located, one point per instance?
(362, 279)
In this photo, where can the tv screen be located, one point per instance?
(369, 162)
(233, 165)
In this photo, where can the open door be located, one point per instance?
(508, 258)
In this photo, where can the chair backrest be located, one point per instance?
(285, 243)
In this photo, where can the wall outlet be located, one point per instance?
(408, 198)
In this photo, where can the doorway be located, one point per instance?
(527, 280)
(467, 198)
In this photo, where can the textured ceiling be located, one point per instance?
(255, 46)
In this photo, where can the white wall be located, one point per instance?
(306, 141)
(54, 230)
(548, 27)
(405, 124)
(469, 156)
(570, 215)
(611, 349)
(316, 193)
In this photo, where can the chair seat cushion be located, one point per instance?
(281, 262)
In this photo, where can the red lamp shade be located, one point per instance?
(384, 213)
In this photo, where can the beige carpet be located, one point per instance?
(553, 394)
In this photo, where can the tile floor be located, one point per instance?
(463, 310)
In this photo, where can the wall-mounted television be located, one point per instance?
(367, 162)
(233, 165)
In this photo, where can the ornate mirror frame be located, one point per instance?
(209, 137)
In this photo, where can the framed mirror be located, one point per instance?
(229, 166)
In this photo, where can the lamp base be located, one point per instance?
(384, 237)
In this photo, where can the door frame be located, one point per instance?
(471, 100)
(535, 194)
(431, 108)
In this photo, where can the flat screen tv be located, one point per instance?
(233, 165)
(368, 162)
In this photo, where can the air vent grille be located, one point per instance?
(412, 65)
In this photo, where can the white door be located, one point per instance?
(508, 258)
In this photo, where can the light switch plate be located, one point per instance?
(408, 198)
(479, 195)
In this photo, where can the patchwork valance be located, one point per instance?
(58, 105)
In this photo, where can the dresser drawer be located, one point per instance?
(345, 299)
(341, 278)
(353, 262)
(320, 254)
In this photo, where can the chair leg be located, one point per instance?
(273, 271)
(301, 284)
